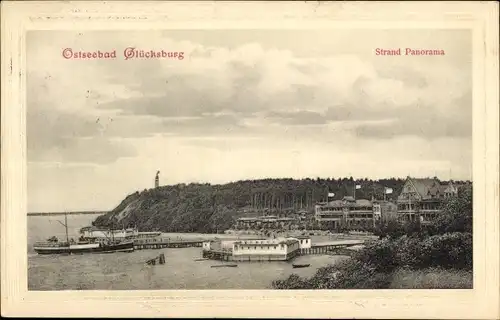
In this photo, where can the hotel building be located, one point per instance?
(348, 212)
(265, 222)
(384, 210)
(422, 198)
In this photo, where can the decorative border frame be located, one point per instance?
(480, 302)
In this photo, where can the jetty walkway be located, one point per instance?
(316, 248)
(331, 247)
(160, 243)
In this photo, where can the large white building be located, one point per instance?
(279, 249)
(269, 249)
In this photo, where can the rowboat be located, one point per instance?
(225, 266)
(301, 265)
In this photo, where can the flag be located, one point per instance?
(331, 194)
(358, 186)
(388, 190)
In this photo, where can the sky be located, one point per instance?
(242, 104)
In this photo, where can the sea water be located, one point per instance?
(129, 271)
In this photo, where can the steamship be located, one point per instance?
(54, 246)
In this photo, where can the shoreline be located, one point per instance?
(42, 214)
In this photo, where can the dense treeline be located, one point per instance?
(442, 250)
(211, 208)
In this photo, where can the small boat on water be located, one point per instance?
(225, 266)
(301, 265)
(201, 259)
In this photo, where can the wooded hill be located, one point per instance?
(210, 208)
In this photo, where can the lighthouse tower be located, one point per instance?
(157, 179)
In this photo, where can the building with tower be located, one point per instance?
(157, 179)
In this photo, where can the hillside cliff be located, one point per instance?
(210, 208)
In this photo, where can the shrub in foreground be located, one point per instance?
(431, 278)
(449, 251)
(348, 274)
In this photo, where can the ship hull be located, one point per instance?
(121, 247)
(61, 250)
(86, 248)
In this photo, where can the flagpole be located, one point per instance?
(409, 205)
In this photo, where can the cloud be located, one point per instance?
(281, 88)
(65, 137)
(242, 104)
(425, 121)
(247, 90)
(298, 118)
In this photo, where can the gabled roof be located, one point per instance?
(357, 203)
(426, 187)
(363, 203)
(336, 203)
(452, 186)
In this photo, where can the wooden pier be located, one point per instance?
(335, 247)
(161, 243)
(222, 255)
(339, 247)
(160, 259)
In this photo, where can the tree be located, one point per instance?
(456, 214)
(388, 228)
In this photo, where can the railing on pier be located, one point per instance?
(340, 248)
(160, 243)
(337, 248)
(223, 255)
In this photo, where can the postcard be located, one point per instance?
(220, 159)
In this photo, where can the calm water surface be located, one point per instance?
(128, 271)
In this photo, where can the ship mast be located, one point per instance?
(112, 230)
(65, 224)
